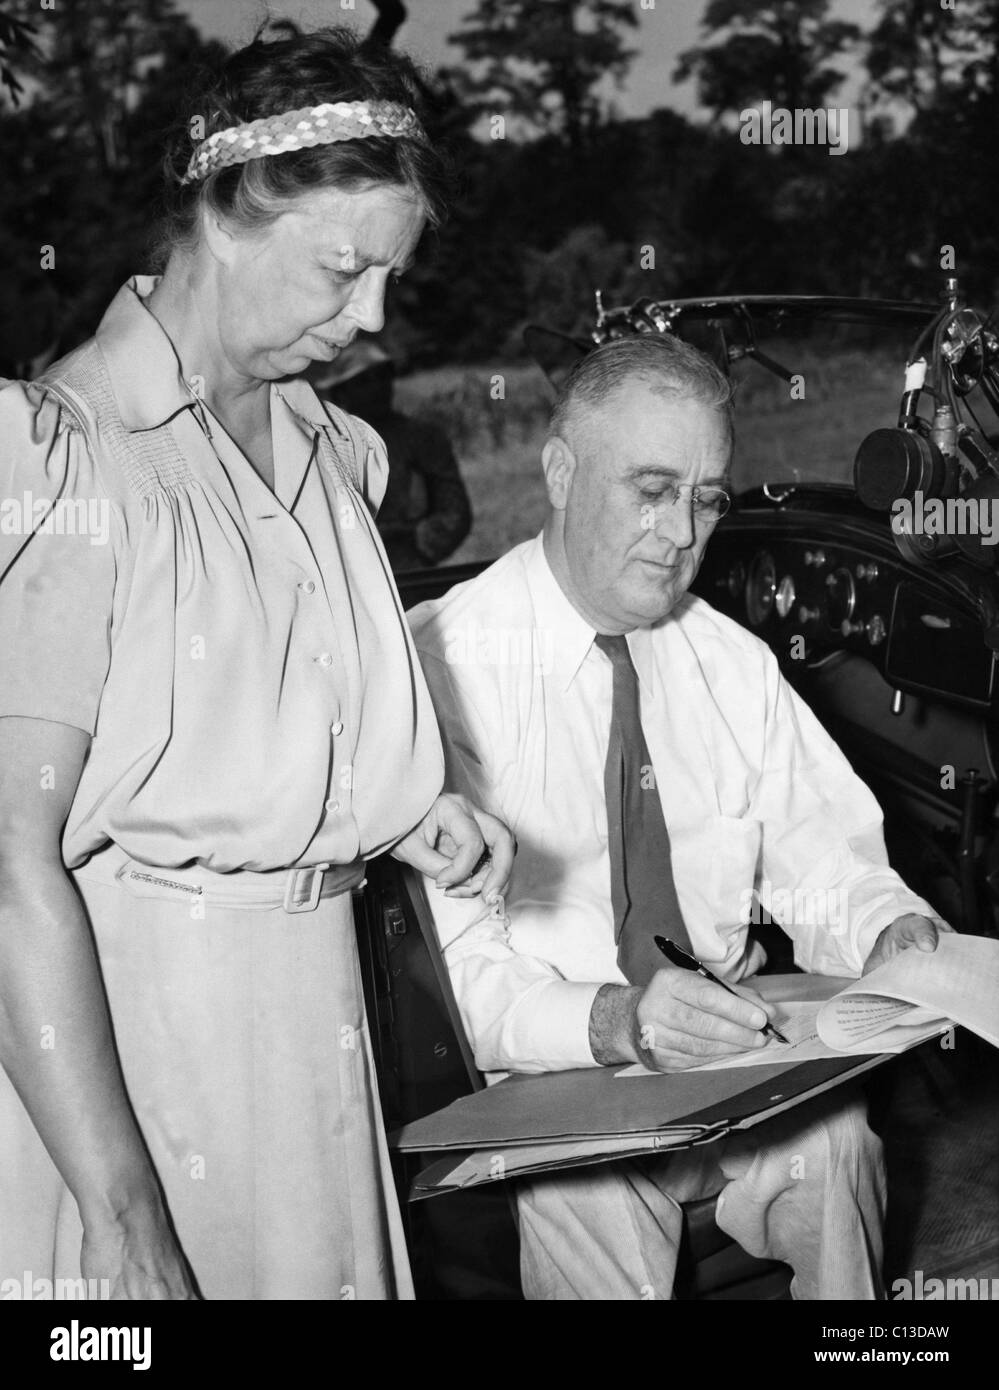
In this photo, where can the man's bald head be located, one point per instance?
(666, 365)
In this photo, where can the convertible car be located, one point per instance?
(862, 547)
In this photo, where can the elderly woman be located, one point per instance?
(212, 715)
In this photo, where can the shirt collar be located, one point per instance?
(561, 625)
(143, 366)
(305, 406)
(145, 371)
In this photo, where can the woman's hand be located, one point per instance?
(138, 1256)
(467, 851)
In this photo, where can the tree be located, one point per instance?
(16, 45)
(943, 66)
(94, 62)
(559, 284)
(391, 17)
(80, 163)
(777, 50)
(539, 61)
(917, 53)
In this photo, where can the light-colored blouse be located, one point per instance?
(239, 655)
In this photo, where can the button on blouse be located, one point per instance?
(181, 639)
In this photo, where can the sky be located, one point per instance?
(662, 34)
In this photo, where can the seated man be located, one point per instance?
(655, 769)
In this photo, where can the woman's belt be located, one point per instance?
(294, 890)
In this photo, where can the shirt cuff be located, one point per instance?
(883, 914)
(827, 954)
(550, 1029)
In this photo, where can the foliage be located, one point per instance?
(81, 163)
(776, 49)
(536, 229)
(17, 47)
(539, 61)
(919, 53)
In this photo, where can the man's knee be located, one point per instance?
(839, 1137)
(827, 1139)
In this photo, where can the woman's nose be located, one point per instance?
(367, 304)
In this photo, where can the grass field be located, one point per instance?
(497, 440)
(496, 416)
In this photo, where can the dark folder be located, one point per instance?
(530, 1124)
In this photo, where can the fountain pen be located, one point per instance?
(685, 961)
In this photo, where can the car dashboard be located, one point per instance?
(897, 660)
(811, 576)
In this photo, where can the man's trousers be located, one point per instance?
(806, 1187)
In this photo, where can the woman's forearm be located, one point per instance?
(56, 1042)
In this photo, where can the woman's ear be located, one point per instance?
(217, 236)
(558, 463)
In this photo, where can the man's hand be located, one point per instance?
(904, 934)
(677, 1021)
(467, 851)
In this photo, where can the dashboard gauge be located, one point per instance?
(785, 597)
(841, 597)
(761, 588)
(736, 579)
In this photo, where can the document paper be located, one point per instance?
(914, 996)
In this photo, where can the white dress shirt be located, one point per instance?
(755, 795)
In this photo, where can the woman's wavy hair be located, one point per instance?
(267, 78)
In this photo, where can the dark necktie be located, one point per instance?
(642, 889)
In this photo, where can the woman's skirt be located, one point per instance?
(247, 1059)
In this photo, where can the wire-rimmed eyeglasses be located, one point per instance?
(710, 503)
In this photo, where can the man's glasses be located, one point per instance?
(710, 503)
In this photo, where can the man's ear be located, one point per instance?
(558, 463)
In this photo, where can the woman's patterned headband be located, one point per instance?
(298, 130)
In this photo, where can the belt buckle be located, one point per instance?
(315, 888)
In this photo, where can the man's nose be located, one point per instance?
(675, 522)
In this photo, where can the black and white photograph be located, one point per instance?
(499, 668)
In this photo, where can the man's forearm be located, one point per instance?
(612, 1025)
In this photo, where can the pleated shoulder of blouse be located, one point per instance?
(144, 461)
